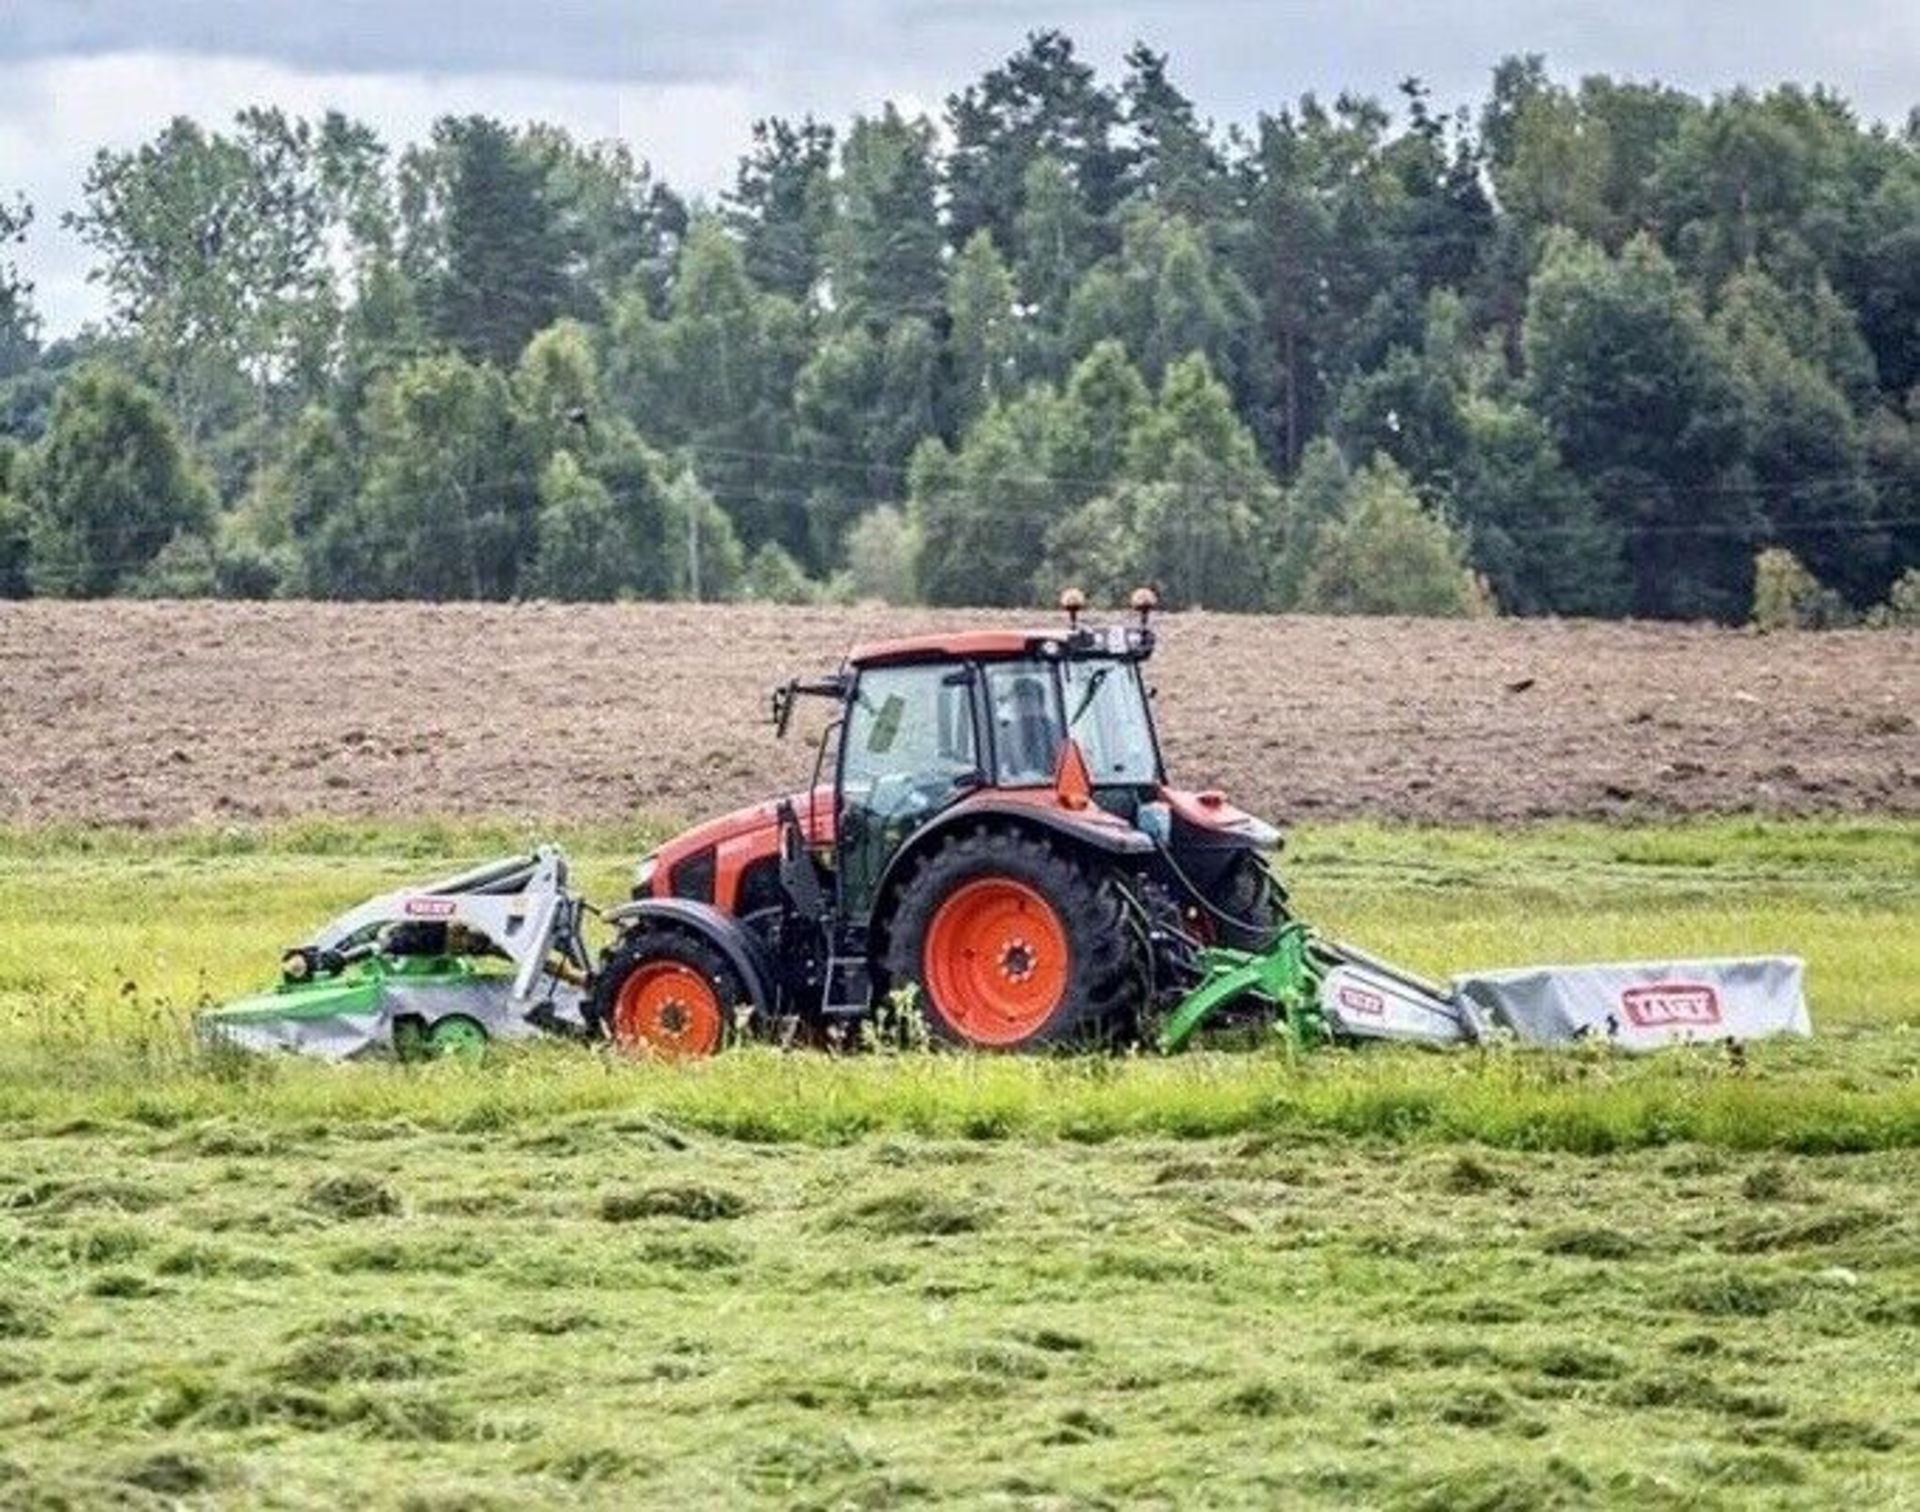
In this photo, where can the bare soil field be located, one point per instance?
(160, 714)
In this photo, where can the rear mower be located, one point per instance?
(989, 838)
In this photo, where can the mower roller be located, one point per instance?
(990, 840)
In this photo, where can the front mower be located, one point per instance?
(415, 972)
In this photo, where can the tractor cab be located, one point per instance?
(988, 810)
(929, 722)
(1046, 721)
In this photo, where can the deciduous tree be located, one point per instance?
(449, 503)
(1386, 554)
(19, 324)
(1644, 405)
(112, 484)
(984, 339)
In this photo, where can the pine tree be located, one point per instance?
(1042, 102)
(781, 205)
(886, 240)
(502, 278)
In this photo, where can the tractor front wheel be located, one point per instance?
(667, 993)
(1012, 943)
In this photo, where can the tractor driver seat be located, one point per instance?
(1033, 735)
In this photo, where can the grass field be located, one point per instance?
(1491, 1280)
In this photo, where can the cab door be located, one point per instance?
(911, 747)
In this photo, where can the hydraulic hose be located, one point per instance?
(1267, 933)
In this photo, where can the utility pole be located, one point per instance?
(693, 545)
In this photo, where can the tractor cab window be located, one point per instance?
(1107, 714)
(908, 726)
(908, 750)
(1099, 701)
(1027, 725)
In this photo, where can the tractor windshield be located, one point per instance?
(1107, 713)
(1096, 700)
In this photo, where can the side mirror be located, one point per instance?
(836, 687)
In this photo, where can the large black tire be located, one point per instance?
(1247, 906)
(667, 960)
(1103, 992)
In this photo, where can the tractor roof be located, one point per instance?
(988, 645)
(952, 645)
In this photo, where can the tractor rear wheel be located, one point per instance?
(1013, 943)
(667, 993)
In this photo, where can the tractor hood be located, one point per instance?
(705, 862)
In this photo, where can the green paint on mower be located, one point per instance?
(358, 989)
(1284, 979)
(413, 1007)
(457, 1038)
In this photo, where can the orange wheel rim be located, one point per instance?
(996, 961)
(668, 1009)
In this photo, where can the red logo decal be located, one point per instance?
(1687, 1005)
(1360, 1000)
(429, 908)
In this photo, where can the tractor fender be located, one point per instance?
(745, 951)
(1205, 821)
(1092, 829)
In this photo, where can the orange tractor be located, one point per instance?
(996, 846)
(996, 838)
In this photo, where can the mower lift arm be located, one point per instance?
(520, 905)
(1284, 975)
(1323, 991)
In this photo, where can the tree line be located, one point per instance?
(1586, 348)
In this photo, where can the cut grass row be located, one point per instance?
(605, 1311)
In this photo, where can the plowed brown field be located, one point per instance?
(170, 713)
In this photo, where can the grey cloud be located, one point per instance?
(1235, 56)
(627, 40)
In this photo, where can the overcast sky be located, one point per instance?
(683, 81)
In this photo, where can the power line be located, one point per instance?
(1754, 487)
(364, 543)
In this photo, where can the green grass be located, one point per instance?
(608, 1310)
(1405, 1280)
